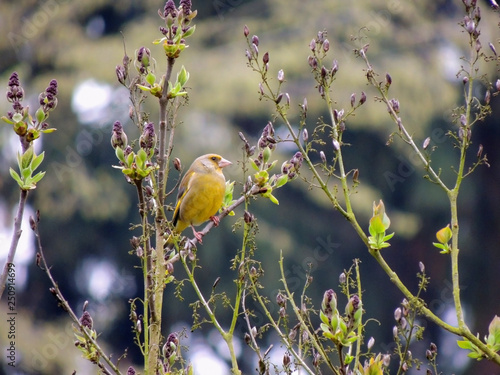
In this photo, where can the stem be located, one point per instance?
(227, 336)
(16, 235)
(283, 337)
(298, 313)
(360, 326)
(42, 263)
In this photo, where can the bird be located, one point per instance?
(201, 193)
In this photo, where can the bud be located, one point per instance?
(248, 338)
(444, 235)
(118, 136)
(353, 99)
(86, 320)
(265, 58)
(480, 151)
(463, 120)
(465, 80)
(120, 74)
(322, 156)
(246, 31)
(426, 143)
(305, 135)
(326, 45)
(286, 360)
(342, 278)
(404, 367)
(487, 97)
(363, 98)
(177, 164)
(147, 139)
(335, 67)
(397, 314)
(492, 47)
(255, 49)
(370, 344)
(422, 267)
(478, 45)
(281, 75)
(336, 145)
(278, 99)
(287, 98)
(312, 45)
(280, 299)
(388, 79)
(329, 303)
(248, 217)
(497, 84)
(429, 355)
(394, 103)
(131, 371)
(248, 55)
(253, 331)
(386, 360)
(395, 331)
(255, 40)
(355, 176)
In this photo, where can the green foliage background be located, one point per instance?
(87, 207)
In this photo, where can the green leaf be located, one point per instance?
(48, 131)
(37, 161)
(273, 199)
(465, 344)
(376, 225)
(388, 237)
(323, 317)
(254, 166)
(120, 154)
(182, 76)
(37, 177)
(189, 32)
(150, 78)
(26, 158)
(158, 41)
(282, 180)
(325, 327)
(16, 177)
(7, 120)
(40, 115)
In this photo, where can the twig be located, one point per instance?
(42, 264)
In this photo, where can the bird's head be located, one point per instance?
(212, 161)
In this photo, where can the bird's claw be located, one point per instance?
(215, 220)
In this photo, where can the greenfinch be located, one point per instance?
(201, 193)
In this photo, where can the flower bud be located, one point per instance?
(329, 303)
(487, 97)
(280, 299)
(422, 267)
(246, 31)
(326, 45)
(363, 98)
(265, 58)
(426, 143)
(118, 136)
(353, 99)
(370, 344)
(281, 75)
(286, 360)
(253, 331)
(492, 47)
(397, 314)
(388, 79)
(305, 135)
(395, 331)
(131, 371)
(177, 164)
(255, 40)
(480, 151)
(322, 156)
(336, 145)
(312, 45)
(86, 320)
(342, 278)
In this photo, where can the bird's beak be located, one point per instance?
(224, 163)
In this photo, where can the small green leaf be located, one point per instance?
(37, 177)
(388, 237)
(7, 120)
(254, 166)
(282, 180)
(40, 115)
(323, 317)
(273, 199)
(26, 158)
(189, 32)
(16, 177)
(37, 161)
(465, 344)
(120, 154)
(150, 78)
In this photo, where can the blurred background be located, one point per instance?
(87, 208)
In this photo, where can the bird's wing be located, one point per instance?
(183, 189)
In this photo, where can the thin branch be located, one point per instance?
(16, 235)
(42, 264)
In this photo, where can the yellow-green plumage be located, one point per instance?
(201, 193)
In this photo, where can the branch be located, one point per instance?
(16, 235)
(42, 264)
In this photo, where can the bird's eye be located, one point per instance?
(214, 158)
